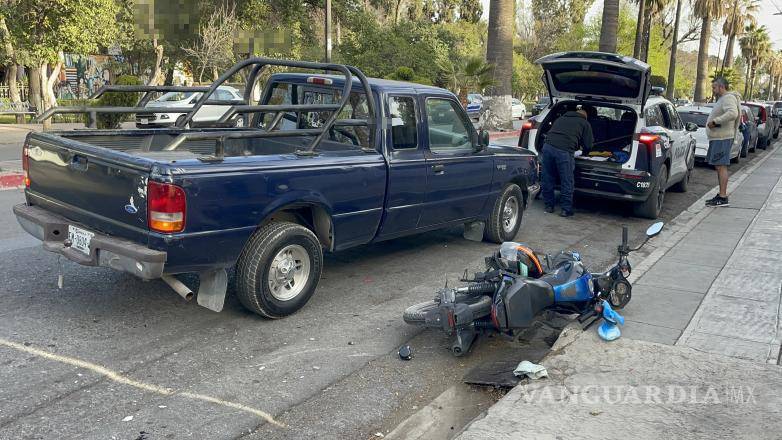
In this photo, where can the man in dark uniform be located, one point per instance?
(569, 133)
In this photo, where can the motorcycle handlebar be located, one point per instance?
(624, 236)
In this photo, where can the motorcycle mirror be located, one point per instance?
(654, 229)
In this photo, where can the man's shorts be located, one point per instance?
(719, 152)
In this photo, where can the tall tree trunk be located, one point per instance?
(49, 99)
(499, 53)
(746, 81)
(752, 73)
(34, 95)
(609, 26)
(777, 87)
(11, 68)
(170, 76)
(703, 62)
(647, 33)
(727, 63)
(155, 76)
(669, 93)
(639, 26)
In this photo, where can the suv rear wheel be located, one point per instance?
(654, 204)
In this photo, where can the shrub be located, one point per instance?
(117, 99)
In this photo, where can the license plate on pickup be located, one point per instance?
(80, 239)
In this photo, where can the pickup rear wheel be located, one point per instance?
(279, 269)
(505, 219)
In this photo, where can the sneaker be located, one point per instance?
(549, 209)
(718, 201)
(566, 213)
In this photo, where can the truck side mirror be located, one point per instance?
(691, 126)
(483, 140)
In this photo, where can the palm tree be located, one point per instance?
(653, 9)
(755, 48)
(609, 26)
(741, 13)
(639, 28)
(461, 77)
(707, 10)
(499, 52)
(674, 48)
(746, 46)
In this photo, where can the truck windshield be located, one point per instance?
(356, 108)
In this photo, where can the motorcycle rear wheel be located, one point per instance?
(416, 314)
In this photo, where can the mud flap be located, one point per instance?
(473, 231)
(212, 289)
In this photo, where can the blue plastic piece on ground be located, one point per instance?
(609, 329)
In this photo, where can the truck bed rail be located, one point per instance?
(236, 108)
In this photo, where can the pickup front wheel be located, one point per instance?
(505, 219)
(279, 269)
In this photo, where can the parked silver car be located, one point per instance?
(698, 115)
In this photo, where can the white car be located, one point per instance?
(641, 146)
(518, 110)
(206, 114)
(698, 115)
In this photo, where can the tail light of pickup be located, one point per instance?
(26, 165)
(166, 207)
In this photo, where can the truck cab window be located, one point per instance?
(404, 130)
(447, 127)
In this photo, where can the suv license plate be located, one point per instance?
(143, 121)
(80, 239)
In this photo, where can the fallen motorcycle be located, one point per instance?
(519, 284)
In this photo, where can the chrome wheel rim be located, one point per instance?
(289, 272)
(510, 214)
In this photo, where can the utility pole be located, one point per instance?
(328, 31)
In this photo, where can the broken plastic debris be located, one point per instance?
(379, 434)
(533, 371)
(127, 419)
(405, 353)
(315, 367)
(162, 406)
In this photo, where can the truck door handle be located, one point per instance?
(438, 169)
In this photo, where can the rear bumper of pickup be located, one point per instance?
(106, 251)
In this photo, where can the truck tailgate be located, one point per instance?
(100, 189)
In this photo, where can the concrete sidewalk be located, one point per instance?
(700, 346)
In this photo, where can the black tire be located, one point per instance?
(744, 150)
(255, 263)
(654, 204)
(763, 143)
(416, 314)
(736, 159)
(500, 227)
(754, 146)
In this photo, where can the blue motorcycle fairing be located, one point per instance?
(570, 281)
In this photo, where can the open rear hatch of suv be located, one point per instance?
(596, 76)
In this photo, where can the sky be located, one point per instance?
(765, 17)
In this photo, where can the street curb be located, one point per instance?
(11, 181)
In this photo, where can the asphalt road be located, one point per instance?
(109, 356)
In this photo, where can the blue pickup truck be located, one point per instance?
(324, 162)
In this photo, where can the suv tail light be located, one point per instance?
(166, 207)
(526, 127)
(26, 165)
